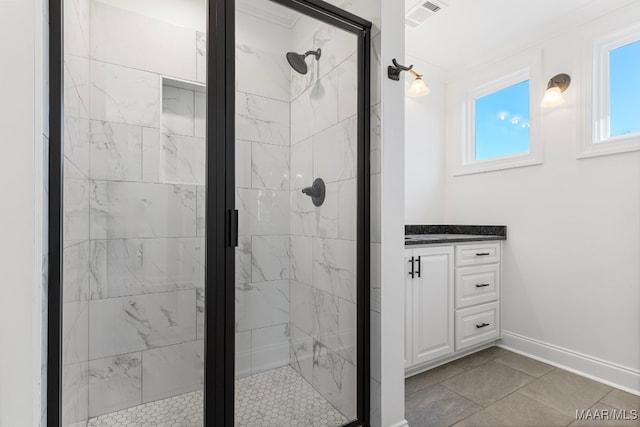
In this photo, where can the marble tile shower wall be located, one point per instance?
(323, 239)
(263, 200)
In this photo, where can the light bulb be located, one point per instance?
(552, 97)
(418, 88)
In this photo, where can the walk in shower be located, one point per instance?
(141, 272)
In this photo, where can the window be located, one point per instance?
(502, 123)
(624, 89)
(498, 123)
(611, 117)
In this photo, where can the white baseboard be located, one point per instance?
(402, 423)
(614, 375)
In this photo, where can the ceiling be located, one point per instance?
(464, 30)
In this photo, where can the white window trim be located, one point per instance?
(468, 164)
(594, 124)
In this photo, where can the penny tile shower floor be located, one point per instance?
(276, 398)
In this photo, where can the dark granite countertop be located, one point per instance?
(432, 234)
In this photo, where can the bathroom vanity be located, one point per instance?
(452, 292)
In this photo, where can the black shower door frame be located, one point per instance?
(221, 216)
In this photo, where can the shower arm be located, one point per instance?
(317, 53)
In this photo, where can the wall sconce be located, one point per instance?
(555, 87)
(418, 87)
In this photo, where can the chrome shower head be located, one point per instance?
(297, 60)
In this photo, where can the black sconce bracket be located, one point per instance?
(393, 72)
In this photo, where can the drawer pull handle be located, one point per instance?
(482, 325)
(482, 285)
(483, 254)
(419, 267)
(412, 273)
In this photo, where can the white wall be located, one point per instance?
(21, 145)
(424, 146)
(571, 282)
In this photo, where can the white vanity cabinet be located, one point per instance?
(452, 301)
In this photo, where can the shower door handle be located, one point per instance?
(233, 228)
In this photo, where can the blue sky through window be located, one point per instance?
(624, 75)
(502, 122)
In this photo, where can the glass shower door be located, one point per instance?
(134, 186)
(296, 150)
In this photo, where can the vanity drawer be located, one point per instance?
(477, 285)
(476, 325)
(482, 253)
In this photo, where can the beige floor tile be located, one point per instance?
(524, 364)
(516, 410)
(565, 392)
(431, 377)
(437, 406)
(621, 400)
(488, 383)
(475, 360)
(599, 419)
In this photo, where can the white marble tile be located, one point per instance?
(116, 151)
(76, 209)
(243, 164)
(200, 304)
(303, 314)
(115, 383)
(201, 210)
(302, 164)
(121, 36)
(178, 111)
(243, 260)
(243, 354)
(130, 210)
(200, 115)
(335, 151)
(336, 44)
(262, 212)
(75, 272)
(173, 370)
(124, 95)
(316, 109)
(75, 332)
(150, 155)
(259, 305)
(130, 324)
(327, 214)
(376, 348)
(348, 88)
(262, 119)
(367, 9)
(270, 258)
(77, 145)
(269, 348)
(182, 159)
(302, 214)
(269, 166)
(334, 267)
(375, 214)
(376, 399)
(375, 161)
(301, 251)
(122, 267)
(375, 277)
(75, 394)
(348, 209)
(273, 79)
(76, 86)
(77, 27)
(201, 57)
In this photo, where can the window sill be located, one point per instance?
(617, 145)
(497, 165)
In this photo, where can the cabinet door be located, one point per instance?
(432, 304)
(408, 283)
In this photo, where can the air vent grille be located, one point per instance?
(421, 12)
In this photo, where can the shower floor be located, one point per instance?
(276, 398)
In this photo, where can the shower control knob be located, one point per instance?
(316, 192)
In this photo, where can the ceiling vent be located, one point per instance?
(419, 14)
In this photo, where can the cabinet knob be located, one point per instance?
(482, 325)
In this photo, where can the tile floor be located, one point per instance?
(276, 398)
(498, 388)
